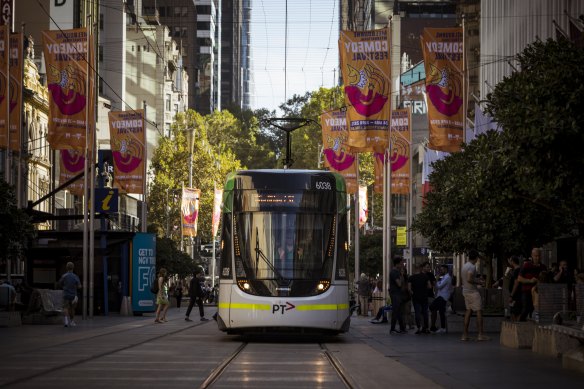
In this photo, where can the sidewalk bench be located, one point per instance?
(564, 341)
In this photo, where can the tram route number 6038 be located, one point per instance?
(323, 185)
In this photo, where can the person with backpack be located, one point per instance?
(161, 296)
(196, 293)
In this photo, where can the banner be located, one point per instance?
(3, 87)
(443, 62)
(190, 211)
(15, 100)
(482, 124)
(401, 238)
(71, 164)
(218, 197)
(336, 156)
(363, 206)
(66, 58)
(430, 156)
(400, 156)
(365, 67)
(128, 144)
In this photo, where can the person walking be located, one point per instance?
(178, 293)
(70, 283)
(472, 297)
(162, 296)
(364, 292)
(444, 290)
(196, 294)
(396, 286)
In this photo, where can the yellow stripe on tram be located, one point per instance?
(257, 307)
(322, 307)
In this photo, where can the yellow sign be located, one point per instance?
(402, 236)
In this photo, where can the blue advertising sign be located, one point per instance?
(143, 272)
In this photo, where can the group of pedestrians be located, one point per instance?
(428, 295)
(196, 293)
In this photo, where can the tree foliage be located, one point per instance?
(509, 190)
(16, 229)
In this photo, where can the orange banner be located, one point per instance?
(15, 101)
(67, 55)
(190, 211)
(71, 164)
(3, 89)
(365, 67)
(401, 139)
(128, 145)
(443, 62)
(336, 156)
(216, 210)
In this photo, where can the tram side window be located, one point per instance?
(341, 271)
(226, 236)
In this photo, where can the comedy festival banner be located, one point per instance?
(443, 62)
(190, 211)
(67, 55)
(365, 67)
(336, 156)
(71, 164)
(128, 145)
(218, 197)
(401, 139)
(10, 91)
(3, 85)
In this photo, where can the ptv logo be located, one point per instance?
(282, 308)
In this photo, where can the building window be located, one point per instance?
(203, 26)
(101, 22)
(100, 53)
(168, 101)
(177, 32)
(184, 11)
(176, 11)
(184, 32)
(162, 11)
(203, 10)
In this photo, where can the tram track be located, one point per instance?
(216, 374)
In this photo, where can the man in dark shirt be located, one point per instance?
(396, 284)
(419, 285)
(196, 294)
(70, 283)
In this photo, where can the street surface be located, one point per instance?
(128, 352)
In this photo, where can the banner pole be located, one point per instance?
(86, 189)
(92, 142)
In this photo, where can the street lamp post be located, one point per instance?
(191, 145)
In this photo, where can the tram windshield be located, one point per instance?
(284, 239)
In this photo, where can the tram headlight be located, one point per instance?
(322, 286)
(244, 285)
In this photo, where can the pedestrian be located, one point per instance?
(528, 277)
(444, 289)
(419, 284)
(427, 268)
(406, 304)
(178, 293)
(196, 295)
(364, 292)
(515, 305)
(70, 283)
(162, 296)
(472, 297)
(396, 285)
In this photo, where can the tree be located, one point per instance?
(16, 229)
(507, 191)
(170, 165)
(542, 110)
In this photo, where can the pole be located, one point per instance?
(91, 56)
(7, 174)
(86, 189)
(191, 145)
(356, 221)
(385, 275)
(19, 130)
(145, 180)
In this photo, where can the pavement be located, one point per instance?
(373, 356)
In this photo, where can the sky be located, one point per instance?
(310, 59)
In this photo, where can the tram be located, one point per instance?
(284, 256)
